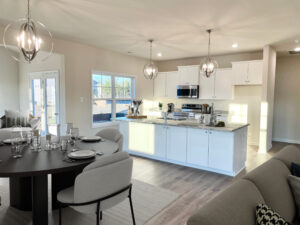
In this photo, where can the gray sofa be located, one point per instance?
(267, 183)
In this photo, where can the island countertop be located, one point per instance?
(229, 127)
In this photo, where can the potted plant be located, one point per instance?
(160, 105)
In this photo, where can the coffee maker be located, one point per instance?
(170, 107)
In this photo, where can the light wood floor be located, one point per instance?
(196, 187)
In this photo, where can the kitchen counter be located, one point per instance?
(185, 123)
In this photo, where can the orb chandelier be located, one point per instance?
(150, 69)
(209, 65)
(25, 34)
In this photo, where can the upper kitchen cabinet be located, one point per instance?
(218, 86)
(165, 84)
(247, 72)
(189, 75)
(160, 85)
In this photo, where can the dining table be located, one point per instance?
(29, 175)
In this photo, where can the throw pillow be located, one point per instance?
(295, 169)
(266, 216)
(15, 118)
(295, 185)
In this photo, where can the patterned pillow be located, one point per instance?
(267, 216)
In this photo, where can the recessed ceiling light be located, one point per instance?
(159, 54)
(235, 45)
(297, 49)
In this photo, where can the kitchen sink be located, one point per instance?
(189, 124)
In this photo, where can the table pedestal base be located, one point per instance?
(40, 200)
(20, 193)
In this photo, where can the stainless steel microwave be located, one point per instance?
(187, 91)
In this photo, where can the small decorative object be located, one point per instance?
(129, 110)
(25, 34)
(160, 105)
(209, 65)
(136, 105)
(150, 69)
(36, 142)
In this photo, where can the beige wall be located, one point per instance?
(9, 81)
(224, 61)
(245, 97)
(80, 60)
(286, 124)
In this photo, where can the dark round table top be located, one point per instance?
(48, 162)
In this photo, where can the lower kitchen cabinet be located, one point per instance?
(197, 147)
(176, 143)
(218, 151)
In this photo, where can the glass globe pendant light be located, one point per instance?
(209, 65)
(150, 69)
(25, 34)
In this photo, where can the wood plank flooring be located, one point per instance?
(195, 187)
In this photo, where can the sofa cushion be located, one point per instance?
(15, 118)
(289, 154)
(234, 206)
(295, 169)
(266, 216)
(271, 179)
(295, 185)
(5, 133)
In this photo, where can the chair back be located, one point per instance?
(112, 134)
(102, 178)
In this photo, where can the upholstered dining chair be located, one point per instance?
(102, 185)
(112, 134)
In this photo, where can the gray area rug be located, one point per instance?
(148, 201)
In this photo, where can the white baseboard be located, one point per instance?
(286, 140)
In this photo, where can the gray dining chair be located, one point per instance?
(102, 185)
(112, 134)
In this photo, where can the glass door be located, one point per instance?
(45, 98)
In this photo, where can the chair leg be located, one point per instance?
(59, 216)
(131, 207)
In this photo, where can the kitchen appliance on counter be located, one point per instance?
(170, 107)
(187, 91)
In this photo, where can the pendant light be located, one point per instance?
(209, 65)
(25, 34)
(150, 69)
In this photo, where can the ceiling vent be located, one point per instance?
(294, 52)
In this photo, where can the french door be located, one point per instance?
(44, 102)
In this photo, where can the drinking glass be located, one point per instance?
(16, 144)
(48, 142)
(69, 127)
(64, 145)
(36, 141)
(28, 136)
(74, 135)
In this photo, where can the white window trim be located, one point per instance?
(113, 75)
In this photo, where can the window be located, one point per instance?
(111, 95)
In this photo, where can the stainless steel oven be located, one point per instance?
(187, 91)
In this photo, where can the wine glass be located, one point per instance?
(74, 135)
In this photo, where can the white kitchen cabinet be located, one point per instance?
(161, 141)
(255, 72)
(165, 84)
(221, 149)
(189, 75)
(197, 147)
(218, 86)
(172, 80)
(247, 72)
(160, 85)
(176, 143)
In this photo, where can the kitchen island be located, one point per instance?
(188, 143)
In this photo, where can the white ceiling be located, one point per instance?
(177, 26)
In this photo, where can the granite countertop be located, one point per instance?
(185, 123)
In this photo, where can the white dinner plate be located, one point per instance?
(82, 154)
(8, 141)
(91, 138)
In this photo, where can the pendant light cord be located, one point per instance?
(150, 50)
(28, 10)
(209, 31)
